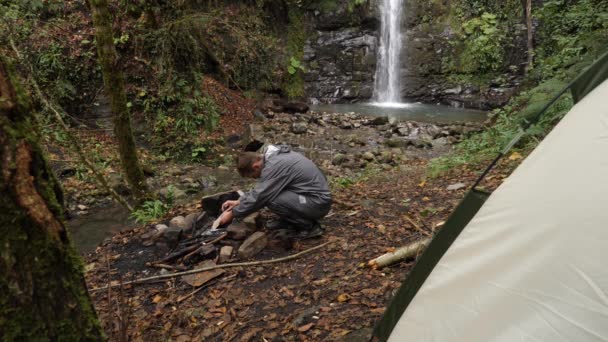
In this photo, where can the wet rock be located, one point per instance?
(225, 254)
(238, 231)
(295, 107)
(456, 186)
(381, 120)
(368, 156)
(339, 159)
(253, 245)
(299, 127)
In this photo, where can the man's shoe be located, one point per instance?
(315, 231)
(277, 224)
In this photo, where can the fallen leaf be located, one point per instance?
(515, 156)
(306, 327)
(157, 299)
(343, 297)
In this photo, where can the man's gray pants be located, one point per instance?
(298, 210)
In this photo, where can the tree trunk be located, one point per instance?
(530, 38)
(43, 295)
(115, 87)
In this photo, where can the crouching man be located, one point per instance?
(289, 184)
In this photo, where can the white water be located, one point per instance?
(387, 85)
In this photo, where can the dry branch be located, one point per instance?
(203, 269)
(399, 254)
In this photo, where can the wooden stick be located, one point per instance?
(176, 255)
(236, 264)
(399, 254)
(417, 226)
(170, 267)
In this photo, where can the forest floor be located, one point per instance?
(327, 295)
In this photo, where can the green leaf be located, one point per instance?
(291, 70)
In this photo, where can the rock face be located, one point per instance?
(340, 55)
(341, 52)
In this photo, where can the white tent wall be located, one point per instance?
(532, 265)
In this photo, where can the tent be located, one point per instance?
(526, 263)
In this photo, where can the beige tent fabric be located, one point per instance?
(532, 265)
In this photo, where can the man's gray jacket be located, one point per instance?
(290, 183)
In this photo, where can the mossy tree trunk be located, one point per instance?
(43, 295)
(115, 87)
(529, 33)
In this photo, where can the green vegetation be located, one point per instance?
(152, 210)
(570, 38)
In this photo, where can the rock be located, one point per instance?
(178, 222)
(456, 186)
(386, 157)
(172, 233)
(346, 125)
(269, 105)
(439, 142)
(338, 159)
(368, 156)
(299, 127)
(434, 131)
(419, 143)
(258, 114)
(253, 245)
(238, 231)
(186, 180)
(402, 131)
(153, 234)
(453, 91)
(190, 220)
(252, 221)
(381, 120)
(225, 254)
(296, 107)
(396, 143)
(82, 207)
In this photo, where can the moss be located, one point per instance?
(43, 296)
(115, 87)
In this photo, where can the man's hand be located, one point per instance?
(226, 217)
(228, 205)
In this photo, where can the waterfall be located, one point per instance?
(387, 85)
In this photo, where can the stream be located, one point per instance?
(407, 111)
(103, 221)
